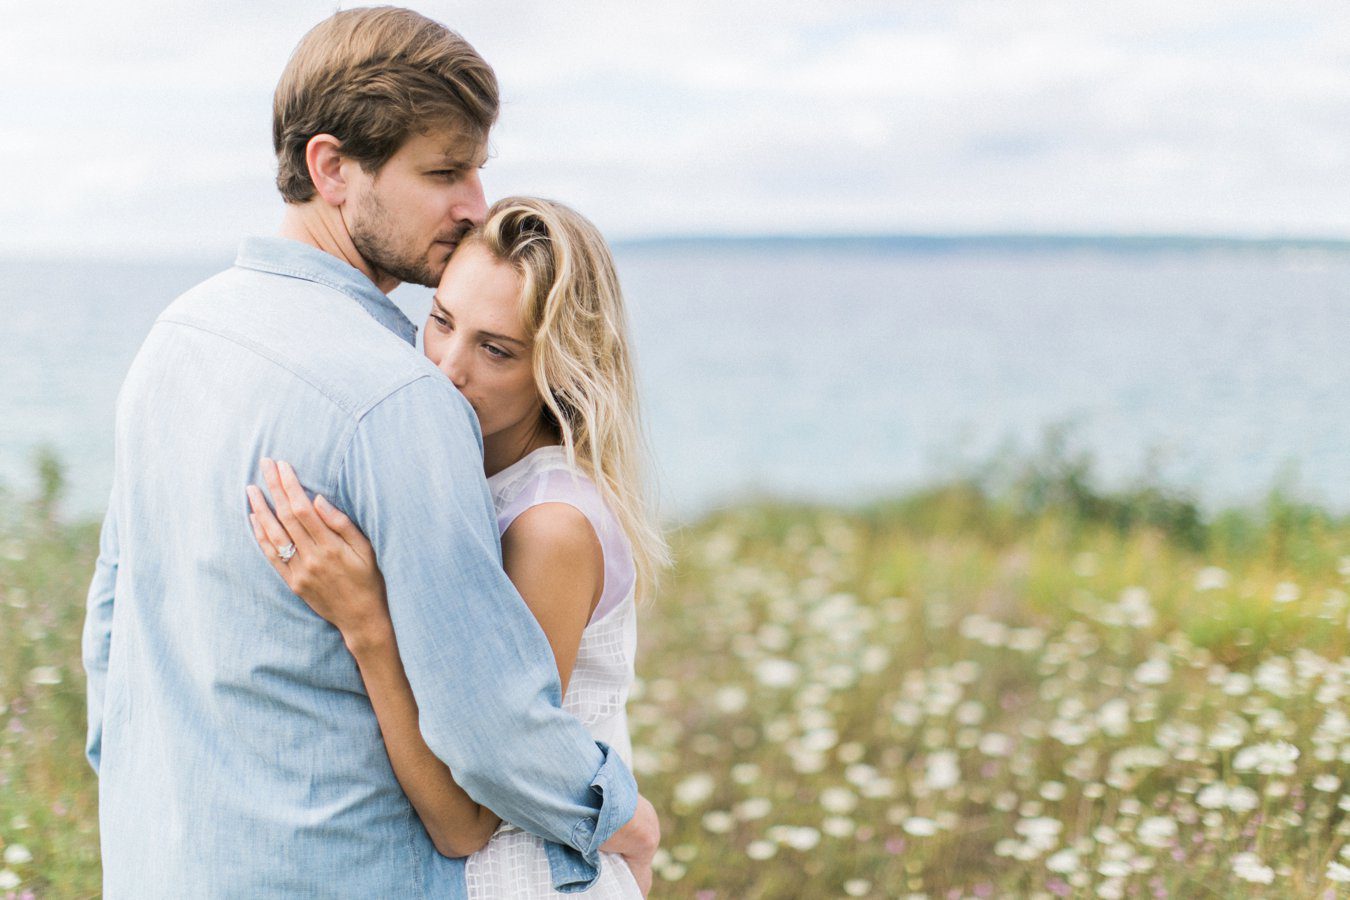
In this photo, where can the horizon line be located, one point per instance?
(895, 240)
(1067, 238)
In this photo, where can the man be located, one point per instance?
(237, 751)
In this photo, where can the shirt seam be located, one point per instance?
(416, 855)
(599, 784)
(354, 413)
(577, 839)
(328, 281)
(354, 410)
(356, 424)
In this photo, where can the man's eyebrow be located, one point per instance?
(506, 339)
(452, 159)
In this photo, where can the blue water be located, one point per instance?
(845, 370)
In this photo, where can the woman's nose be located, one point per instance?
(449, 362)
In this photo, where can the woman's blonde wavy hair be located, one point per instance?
(573, 312)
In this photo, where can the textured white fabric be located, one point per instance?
(545, 477)
(513, 864)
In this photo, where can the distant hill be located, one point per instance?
(991, 243)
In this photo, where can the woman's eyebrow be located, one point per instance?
(503, 338)
(506, 339)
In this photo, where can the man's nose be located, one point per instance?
(472, 206)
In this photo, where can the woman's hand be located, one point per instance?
(332, 567)
(322, 555)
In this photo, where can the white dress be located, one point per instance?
(513, 864)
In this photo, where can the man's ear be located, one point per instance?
(323, 156)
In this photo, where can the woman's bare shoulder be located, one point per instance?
(556, 530)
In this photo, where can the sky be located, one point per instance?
(143, 127)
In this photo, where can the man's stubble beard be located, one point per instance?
(373, 233)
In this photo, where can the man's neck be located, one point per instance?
(324, 229)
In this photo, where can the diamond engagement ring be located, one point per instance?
(286, 552)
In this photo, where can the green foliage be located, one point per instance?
(1061, 480)
(1007, 685)
(48, 794)
(51, 484)
(943, 693)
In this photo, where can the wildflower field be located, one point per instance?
(1037, 691)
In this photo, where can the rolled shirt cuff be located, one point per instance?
(573, 869)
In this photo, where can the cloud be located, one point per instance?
(144, 127)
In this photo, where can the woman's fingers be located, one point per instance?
(269, 551)
(346, 529)
(318, 527)
(270, 534)
(286, 505)
(301, 505)
(258, 535)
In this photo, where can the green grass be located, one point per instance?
(1016, 684)
(48, 794)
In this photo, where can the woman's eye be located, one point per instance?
(441, 321)
(496, 352)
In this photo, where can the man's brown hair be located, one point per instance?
(372, 78)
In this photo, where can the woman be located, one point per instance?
(528, 322)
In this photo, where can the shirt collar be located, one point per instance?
(282, 256)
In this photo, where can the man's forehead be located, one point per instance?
(453, 147)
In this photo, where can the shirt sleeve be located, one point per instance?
(96, 638)
(480, 667)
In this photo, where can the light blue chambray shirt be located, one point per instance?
(237, 752)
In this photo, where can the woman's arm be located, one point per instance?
(553, 557)
(335, 572)
(456, 824)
